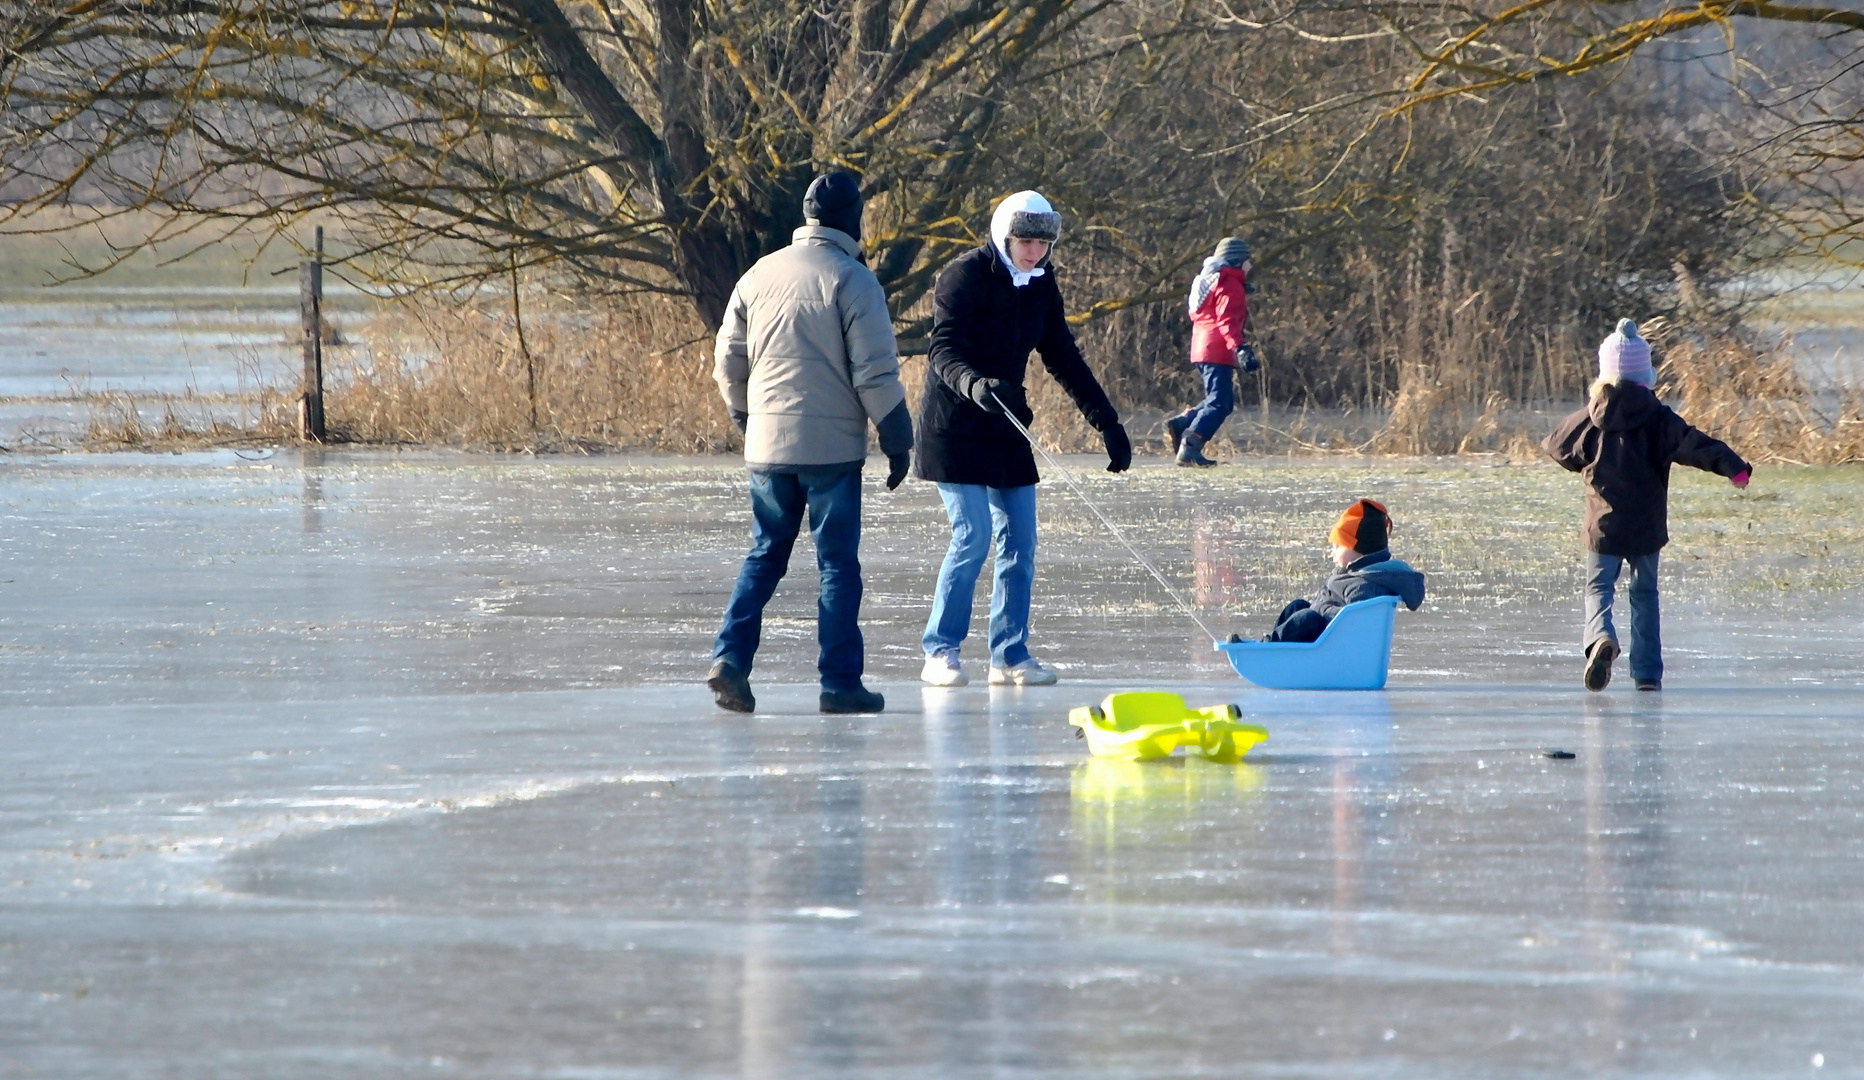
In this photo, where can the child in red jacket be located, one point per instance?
(1219, 305)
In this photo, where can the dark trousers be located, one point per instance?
(1219, 399)
(778, 500)
(1298, 622)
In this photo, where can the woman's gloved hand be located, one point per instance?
(741, 421)
(1119, 448)
(1002, 397)
(1246, 358)
(1740, 479)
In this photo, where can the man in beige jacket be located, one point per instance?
(805, 361)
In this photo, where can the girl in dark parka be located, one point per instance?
(1624, 442)
(992, 306)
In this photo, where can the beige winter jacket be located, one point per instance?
(807, 351)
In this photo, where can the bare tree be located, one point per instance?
(1791, 75)
(649, 144)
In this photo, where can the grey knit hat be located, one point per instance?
(1233, 251)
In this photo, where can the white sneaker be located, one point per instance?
(942, 669)
(1028, 673)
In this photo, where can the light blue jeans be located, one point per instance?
(978, 515)
(1646, 622)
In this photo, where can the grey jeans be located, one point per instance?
(1646, 622)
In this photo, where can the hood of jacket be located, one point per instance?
(1023, 202)
(1623, 406)
(1206, 280)
(1394, 575)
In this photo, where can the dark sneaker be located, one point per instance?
(1175, 429)
(1650, 684)
(1599, 664)
(730, 688)
(858, 700)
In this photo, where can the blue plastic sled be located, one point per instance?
(1353, 653)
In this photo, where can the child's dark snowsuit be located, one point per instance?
(1624, 442)
(1369, 576)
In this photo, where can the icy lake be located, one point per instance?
(364, 764)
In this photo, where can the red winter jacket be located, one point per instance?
(1217, 326)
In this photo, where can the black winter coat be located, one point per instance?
(983, 327)
(1624, 442)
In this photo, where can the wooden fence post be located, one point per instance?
(311, 321)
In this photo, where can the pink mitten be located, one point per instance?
(1739, 479)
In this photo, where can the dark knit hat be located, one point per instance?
(834, 201)
(1233, 251)
(1365, 527)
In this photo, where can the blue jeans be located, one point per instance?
(1646, 622)
(1219, 399)
(778, 500)
(978, 514)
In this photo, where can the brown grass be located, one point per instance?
(116, 421)
(630, 375)
(636, 375)
(1757, 403)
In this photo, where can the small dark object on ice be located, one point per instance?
(858, 700)
(1238, 639)
(730, 688)
(1558, 754)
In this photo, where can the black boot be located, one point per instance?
(1191, 454)
(858, 700)
(730, 687)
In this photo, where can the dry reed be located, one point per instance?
(627, 375)
(636, 375)
(1757, 401)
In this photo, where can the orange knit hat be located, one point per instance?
(1365, 527)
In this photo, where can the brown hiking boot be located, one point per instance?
(730, 687)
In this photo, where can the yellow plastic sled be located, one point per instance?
(1151, 724)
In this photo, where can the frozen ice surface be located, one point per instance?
(381, 766)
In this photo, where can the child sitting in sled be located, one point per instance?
(1362, 551)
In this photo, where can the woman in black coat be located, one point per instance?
(994, 305)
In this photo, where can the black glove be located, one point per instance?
(896, 441)
(1246, 358)
(741, 421)
(1004, 398)
(1119, 448)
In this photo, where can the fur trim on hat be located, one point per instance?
(1025, 225)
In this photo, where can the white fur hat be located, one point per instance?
(1025, 214)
